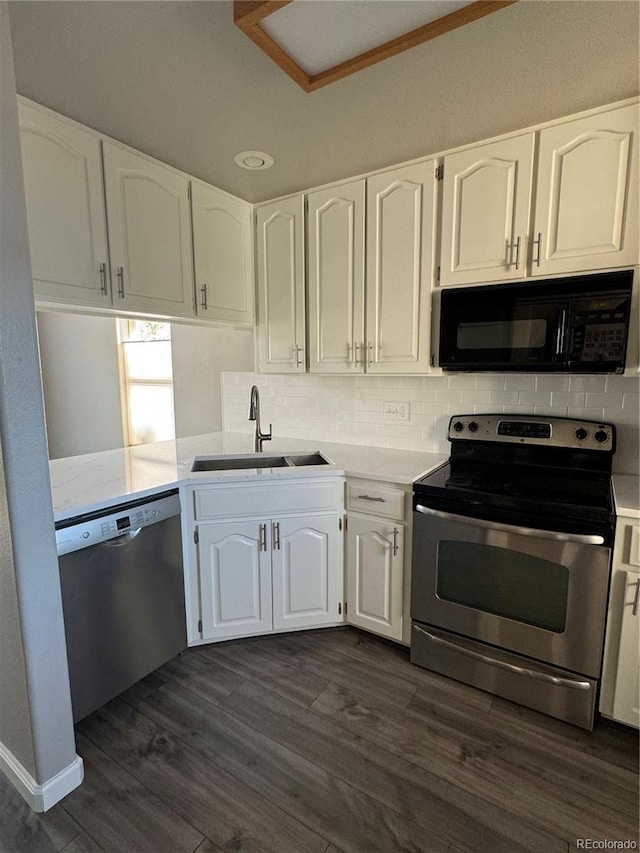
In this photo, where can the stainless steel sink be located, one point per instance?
(257, 460)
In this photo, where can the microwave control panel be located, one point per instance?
(599, 330)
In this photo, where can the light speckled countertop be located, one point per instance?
(96, 480)
(626, 489)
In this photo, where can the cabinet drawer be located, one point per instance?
(375, 500)
(265, 501)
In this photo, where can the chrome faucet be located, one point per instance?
(254, 415)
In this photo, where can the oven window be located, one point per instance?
(504, 582)
(503, 334)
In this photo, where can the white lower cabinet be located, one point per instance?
(620, 697)
(376, 557)
(235, 579)
(256, 574)
(375, 550)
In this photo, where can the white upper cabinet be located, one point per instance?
(587, 195)
(335, 235)
(281, 303)
(65, 209)
(149, 234)
(223, 255)
(485, 212)
(400, 227)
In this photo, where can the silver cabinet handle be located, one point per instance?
(262, 537)
(538, 242)
(395, 541)
(356, 347)
(276, 535)
(369, 498)
(103, 279)
(120, 274)
(369, 353)
(578, 684)
(352, 353)
(299, 359)
(203, 294)
(580, 539)
(636, 599)
(517, 248)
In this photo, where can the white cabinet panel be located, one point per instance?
(626, 703)
(235, 579)
(281, 303)
(485, 212)
(400, 223)
(587, 194)
(149, 234)
(223, 255)
(306, 571)
(375, 555)
(620, 695)
(335, 233)
(65, 209)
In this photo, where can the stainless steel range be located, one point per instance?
(511, 556)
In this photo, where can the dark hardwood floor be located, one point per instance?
(329, 742)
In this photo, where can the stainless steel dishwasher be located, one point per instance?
(122, 586)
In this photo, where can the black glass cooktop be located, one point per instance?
(539, 493)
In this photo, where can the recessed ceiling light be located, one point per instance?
(253, 160)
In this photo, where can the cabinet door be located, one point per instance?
(65, 209)
(626, 702)
(335, 229)
(234, 562)
(149, 234)
(222, 253)
(281, 327)
(375, 575)
(485, 212)
(400, 221)
(587, 194)
(307, 571)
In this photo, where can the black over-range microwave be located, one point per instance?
(574, 325)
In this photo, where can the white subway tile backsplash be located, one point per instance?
(350, 408)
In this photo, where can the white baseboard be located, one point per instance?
(41, 797)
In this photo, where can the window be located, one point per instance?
(146, 381)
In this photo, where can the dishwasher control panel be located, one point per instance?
(116, 522)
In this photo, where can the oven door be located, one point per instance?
(538, 593)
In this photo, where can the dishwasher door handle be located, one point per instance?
(122, 539)
(578, 538)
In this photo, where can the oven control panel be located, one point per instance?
(530, 429)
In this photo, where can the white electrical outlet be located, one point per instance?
(395, 411)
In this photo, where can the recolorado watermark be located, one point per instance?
(596, 844)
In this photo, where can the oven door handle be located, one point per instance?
(581, 539)
(577, 684)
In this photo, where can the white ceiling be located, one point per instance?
(181, 82)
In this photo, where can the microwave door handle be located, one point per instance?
(561, 333)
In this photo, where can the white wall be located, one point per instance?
(349, 408)
(79, 362)
(199, 355)
(36, 729)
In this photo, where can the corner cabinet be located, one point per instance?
(586, 212)
(65, 209)
(485, 212)
(222, 254)
(375, 557)
(620, 697)
(149, 234)
(251, 572)
(281, 290)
